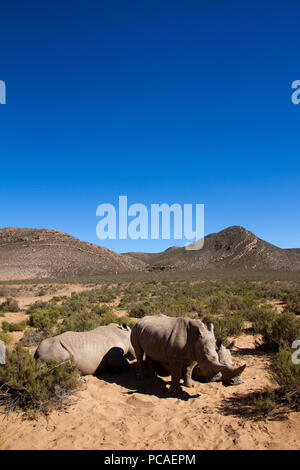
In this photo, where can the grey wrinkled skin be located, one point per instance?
(94, 352)
(225, 357)
(178, 345)
(2, 352)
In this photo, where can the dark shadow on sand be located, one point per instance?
(262, 350)
(243, 406)
(148, 386)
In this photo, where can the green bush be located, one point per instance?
(101, 309)
(107, 318)
(286, 375)
(112, 318)
(230, 325)
(9, 327)
(41, 292)
(35, 386)
(90, 320)
(80, 322)
(142, 309)
(106, 297)
(5, 337)
(124, 301)
(259, 314)
(10, 305)
(285, 329)
(262, 319)
(75, 303)
(293, 305)
(126, 320)
(86, 300)
(44, 319)
(38, 306)
(278, 329)
(217, 303)
(33, 337)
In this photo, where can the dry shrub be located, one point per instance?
(10, 327)
(10, 305)
(34, 386)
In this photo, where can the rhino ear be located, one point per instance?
(211, 327)
(231, 345)
(197, 331)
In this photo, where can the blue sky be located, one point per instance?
(162, 101)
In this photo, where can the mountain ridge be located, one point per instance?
(27, 253)
(233, 247)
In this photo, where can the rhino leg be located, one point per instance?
(142, 371)
(117, 362)
(151, 366)
(187, 374)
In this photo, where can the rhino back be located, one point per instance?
(88, 349)
(161, 337)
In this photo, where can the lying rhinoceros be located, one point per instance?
(202, 371)
(178, 344)
(95, 351)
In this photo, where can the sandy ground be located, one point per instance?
(121, 412)
(117, 411)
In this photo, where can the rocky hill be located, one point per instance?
(27, 253)
(232, 248)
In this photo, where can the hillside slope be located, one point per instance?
(232, 248)
(27, 253)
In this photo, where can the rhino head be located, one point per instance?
(215, 362)
(226, 358)
(130, 354)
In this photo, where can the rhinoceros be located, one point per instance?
(94, 352)
(178, 344)
(202, 371)
(2, 352)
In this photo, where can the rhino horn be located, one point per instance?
(230, 372)
(227, 371)
(238, 370)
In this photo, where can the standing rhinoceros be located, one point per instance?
(93, 351)
(202, 371)
(178, 344)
